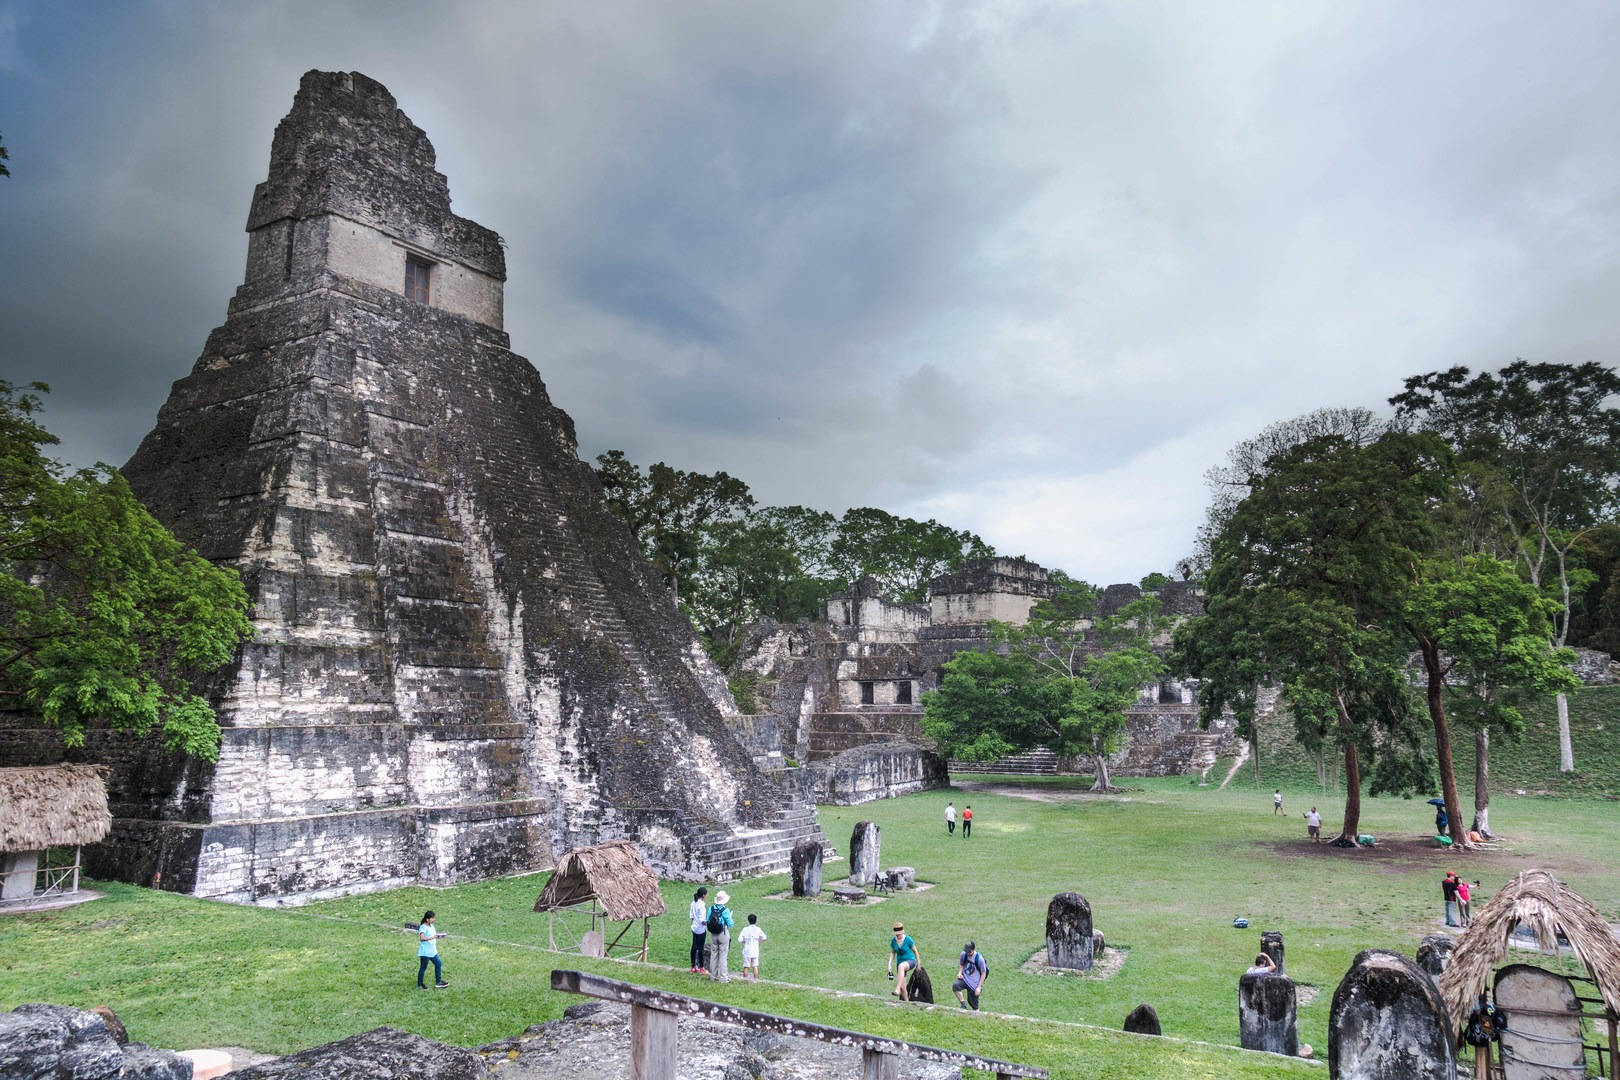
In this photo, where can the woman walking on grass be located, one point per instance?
(427, 949)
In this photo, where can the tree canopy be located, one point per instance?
(107, 618)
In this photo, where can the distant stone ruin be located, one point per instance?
(844, 694)
(461, 663)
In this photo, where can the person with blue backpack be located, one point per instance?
(719, 923)
(972, 971)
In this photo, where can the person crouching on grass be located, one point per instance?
(902, 960)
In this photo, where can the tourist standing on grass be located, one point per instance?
(1276, 802)
(1448, 890)
(719, 924)
(903, 957)
(972, 972)
(1463, 914)
(427, 949)
(1313, 826)
(950, 817)
(699, 915)
(967, 821)
(750, 937)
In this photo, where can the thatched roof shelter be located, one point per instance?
(53, 806)
(1548, 909)
(613, 873)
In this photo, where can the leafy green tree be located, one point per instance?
(1484, 633)
(1545, 442)
(105, 618)
(1306, 581)
(670, 511)
(1596, 621)
(5, 155)
(903, 554)
(1062, 680)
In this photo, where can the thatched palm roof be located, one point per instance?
(53, 806)
(1547, 908)
(612, 872)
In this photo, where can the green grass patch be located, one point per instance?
(1166, 867)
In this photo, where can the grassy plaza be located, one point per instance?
(1166, 867)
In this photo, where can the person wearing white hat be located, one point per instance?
(720, 923)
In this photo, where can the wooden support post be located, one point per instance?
(646, 932)
(877, 1065)
(652, 1044)
(1482, 1062)
(1614, 1047)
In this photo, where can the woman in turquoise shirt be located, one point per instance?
(902, 960)
(427, 949)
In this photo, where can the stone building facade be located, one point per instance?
(844, 695)
(461, 665)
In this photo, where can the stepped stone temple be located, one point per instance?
(461, 665)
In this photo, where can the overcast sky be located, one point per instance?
(1027, 268)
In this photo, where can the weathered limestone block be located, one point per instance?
(1143, 1021)
(1389, 1023)
(849, 894)
(1271, 944)
(806, 860)
(54, 1042)
(1267, 1014)
(1069, 942)
(865, 852)
(1434, 953)
(901, 877)
(379, 1054)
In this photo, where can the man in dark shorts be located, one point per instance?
(1313, 825)
(971, 973)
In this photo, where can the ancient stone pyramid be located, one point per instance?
(462, 666)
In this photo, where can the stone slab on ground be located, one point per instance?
(379, 1054)
(592, 1042)
(1105, 965)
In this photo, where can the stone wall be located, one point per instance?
(877, 770)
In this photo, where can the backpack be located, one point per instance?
(717, 920)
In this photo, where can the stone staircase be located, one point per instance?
(718, 856)
(1037, 762)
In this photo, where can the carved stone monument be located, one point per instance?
(1069, 943)
(1389, 1023)
(806, 860)
(1271, 944)
(1268, 1014)
(462, 664)
(865, 853)
(1434, 953)
(1143, 1021)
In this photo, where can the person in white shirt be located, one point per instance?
(950, 817)
(1313, 825)
(750, 937)
(699, 913)
(1276, 802)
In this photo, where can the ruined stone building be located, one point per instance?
(461, 665)
(844, 694)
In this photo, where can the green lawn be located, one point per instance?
(1166, 868)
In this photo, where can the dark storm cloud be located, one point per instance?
(1030, 268)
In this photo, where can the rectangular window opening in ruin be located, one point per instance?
(866, 693)
(417, 272)
(902, 692)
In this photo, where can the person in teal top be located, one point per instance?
(902, 960)
(427, 949)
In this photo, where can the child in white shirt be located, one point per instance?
(750, 937)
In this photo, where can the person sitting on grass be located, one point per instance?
(902, 960)
(1263, 965)
(972, 972)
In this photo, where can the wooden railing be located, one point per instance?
(653, 1015)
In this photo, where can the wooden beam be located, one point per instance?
(652, 1044)
(589, 985)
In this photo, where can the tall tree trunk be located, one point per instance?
(1102, 783)
(1352, 779)
(1482, 781)
(1442, 739)
(1566, 750)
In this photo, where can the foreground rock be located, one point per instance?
(1143, 1020)
(54, 1042)
(379, 1054)
(1388, 1023)
(592, 1042)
